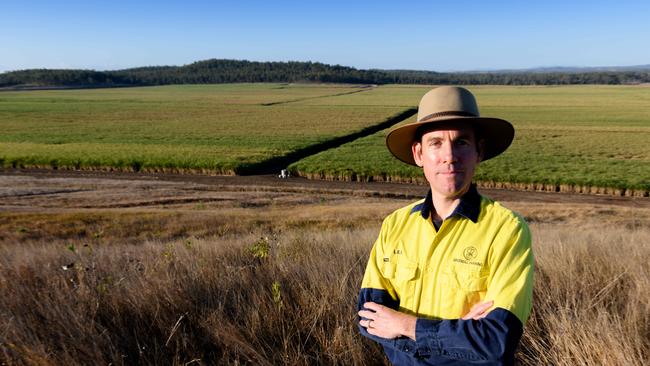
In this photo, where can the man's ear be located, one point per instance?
(416, 149)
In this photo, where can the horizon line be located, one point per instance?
(472, 70)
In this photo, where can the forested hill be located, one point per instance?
(231, 71)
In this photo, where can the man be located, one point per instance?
(449, 280)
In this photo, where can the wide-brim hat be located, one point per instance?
(447, 105)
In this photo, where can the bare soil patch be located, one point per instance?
(270, 182)
(42, 205)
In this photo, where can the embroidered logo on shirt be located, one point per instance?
(470, 253)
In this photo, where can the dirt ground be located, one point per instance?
(57, 192)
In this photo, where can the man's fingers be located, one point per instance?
(478, 311)
(367, 314)
(482, 307)
(373, 306)
(372, 331)
(481, 316)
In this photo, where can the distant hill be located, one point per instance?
(569, 69)
(216, 71)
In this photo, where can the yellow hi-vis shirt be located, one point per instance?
(481, 252)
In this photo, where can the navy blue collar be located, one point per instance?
(469, 206)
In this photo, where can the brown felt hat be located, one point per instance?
(444, 106)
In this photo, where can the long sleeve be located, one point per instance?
(492, 339)
(375, 288)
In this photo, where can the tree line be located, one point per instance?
(217, 71)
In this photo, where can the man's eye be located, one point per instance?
(462, 142)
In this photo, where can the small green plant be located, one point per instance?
(260, 249)
(105, 284)
(276, 292)
(71, 248)
(22, 230)
(168, 252)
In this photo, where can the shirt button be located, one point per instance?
(407, 349)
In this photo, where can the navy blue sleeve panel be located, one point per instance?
(377, 296)
(492, 339)
(401, 344)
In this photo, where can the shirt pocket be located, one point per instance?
(462, 288)
(403, 276)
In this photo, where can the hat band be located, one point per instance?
(448, 113)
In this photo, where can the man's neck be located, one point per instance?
(444, 206)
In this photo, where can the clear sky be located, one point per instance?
(447, 35)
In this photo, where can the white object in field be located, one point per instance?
(284, 173)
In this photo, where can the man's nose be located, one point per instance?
(449, 153)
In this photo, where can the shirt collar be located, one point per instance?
(469, 206)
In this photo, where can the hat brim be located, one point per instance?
(497, 134)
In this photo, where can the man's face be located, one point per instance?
(449, 157)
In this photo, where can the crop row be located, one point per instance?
(215, 129)
(571, 139)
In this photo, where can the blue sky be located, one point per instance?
(425, 35)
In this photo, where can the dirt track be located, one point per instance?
(297, 185)
(131, 207)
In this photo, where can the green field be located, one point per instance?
(212, 129)
(570, 138)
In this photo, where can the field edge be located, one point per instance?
(538, 187)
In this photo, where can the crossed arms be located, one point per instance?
(384, 322)
(482, 335)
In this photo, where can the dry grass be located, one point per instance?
(591, 297)
(285, 293)
(211, 301)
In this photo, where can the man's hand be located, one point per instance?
(479, 311)
(385, 322)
